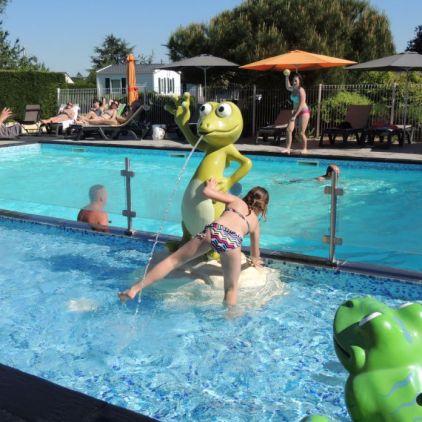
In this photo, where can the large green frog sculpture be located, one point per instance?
(381, 348)
(220, 125)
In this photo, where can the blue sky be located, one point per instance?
(62, 34)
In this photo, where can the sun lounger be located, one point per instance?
(30, 122)
(356, 122)
(277, 129)
(62, 127)
(135, 127)
(387, 131)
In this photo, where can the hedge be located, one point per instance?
(19, 88)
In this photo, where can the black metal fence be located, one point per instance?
(260, 106)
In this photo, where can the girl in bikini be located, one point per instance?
(300, 111)
(108, 117)
(224, 235)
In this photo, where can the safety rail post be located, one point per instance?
(128, 212)
(331, 238)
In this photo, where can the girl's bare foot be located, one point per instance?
(285, 151)
(128, 294)
(304, 151)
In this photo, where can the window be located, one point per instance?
(116, 85)
(123, 85)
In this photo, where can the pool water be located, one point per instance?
(378, 217)
(180, 357)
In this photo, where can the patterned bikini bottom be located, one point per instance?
(222, 238)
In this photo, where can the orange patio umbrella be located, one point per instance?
(132, 89)
(297, 60)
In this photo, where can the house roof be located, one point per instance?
(121, 68)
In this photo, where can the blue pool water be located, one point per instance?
(378, 215)
(179, 358)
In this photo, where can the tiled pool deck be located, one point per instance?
(407, 153)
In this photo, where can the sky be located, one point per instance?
(63, 34)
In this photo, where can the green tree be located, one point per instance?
(256, 29)
(416, 43)
(113, 50)
(146, 59)
(12, 54)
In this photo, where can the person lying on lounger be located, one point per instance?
(94, 213)
(8, 132)
(108, 117)
(96, 111)
(68, 113)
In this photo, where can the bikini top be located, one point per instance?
(240, 215)
(295, 99)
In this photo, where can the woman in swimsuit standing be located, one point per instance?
(300, 111)
(224, 235)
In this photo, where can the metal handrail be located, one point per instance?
(331, 238)
(128, 212)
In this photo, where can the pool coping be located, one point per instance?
(26, 397)
(267, 254)
(239, 147)
(244, 148)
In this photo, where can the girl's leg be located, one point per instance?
(304, 120)
(289, 136)
(231, 263)
(59, 119)
(91, 115)
(191, 250)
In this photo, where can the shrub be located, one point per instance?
(333, 109)
(19, 88)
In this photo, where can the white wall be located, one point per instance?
(151, 81)
(141, 80)
(167, 82)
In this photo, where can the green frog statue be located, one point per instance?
(220, 125)
(381, 348)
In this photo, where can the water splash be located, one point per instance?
(164, 218)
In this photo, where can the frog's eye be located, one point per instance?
(224, 110)
(205, 109)
(368, 318)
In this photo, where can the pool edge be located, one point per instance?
(186, 147)
(371, 270)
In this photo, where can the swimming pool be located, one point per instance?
(179, 358)
(378, 215)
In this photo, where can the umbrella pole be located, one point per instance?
(406, 95)
(205, 83)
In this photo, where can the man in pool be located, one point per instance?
(331, 169)
(94, 213)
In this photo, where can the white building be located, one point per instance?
(149, 77)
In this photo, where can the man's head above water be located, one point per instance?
(98, 193)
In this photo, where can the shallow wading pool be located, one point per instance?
(179, 358)
(378, 217)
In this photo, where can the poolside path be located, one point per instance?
(407, 153)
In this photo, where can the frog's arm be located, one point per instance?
(181, 112)
(245, 165)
